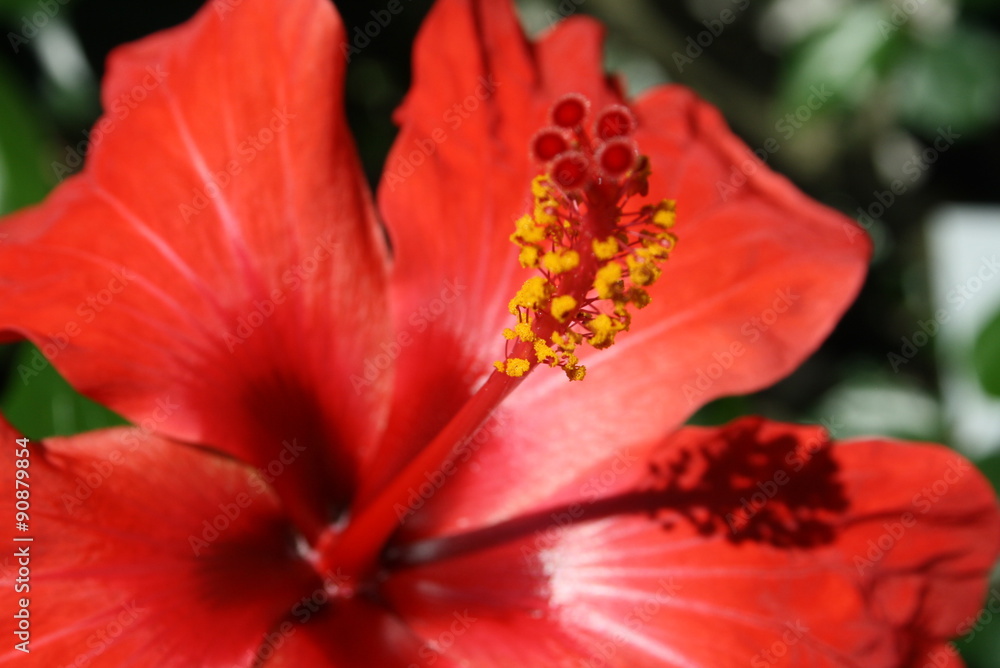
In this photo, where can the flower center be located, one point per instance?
(595, 258)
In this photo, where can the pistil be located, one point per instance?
(594, 258)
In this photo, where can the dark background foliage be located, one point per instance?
(899, 74)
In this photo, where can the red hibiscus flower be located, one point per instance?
(349, 446)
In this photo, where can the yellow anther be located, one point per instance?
(607, 249)
(528, 257)
(642, 272)
(527, 231)
(516, 367)
(532, 295)
(563, 306)
(543, 212)
(639, 297)
(544, 353)
(523, 332)
(540, 187)
(559, 263)
(588, 248)
(654, 250)
(604, 328)
(567, 343)
(665, 214)
(606, 280)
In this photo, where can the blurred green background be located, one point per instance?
(855, 95)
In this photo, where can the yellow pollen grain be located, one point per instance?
(543, 212)
(517, 367)
(642, 273)
(559, 263)
(563, 306)
(629, 258)
(606, 280)
(527, 231)
(544, 353)
(568, 342)
(603, 328)
(540, 188)
(665, 214)
(523, 331)
(607, 249)
(532, 295)
(639, 297)
(654, 250)
(528, 257)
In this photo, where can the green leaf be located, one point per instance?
(14, 9)
(845, 58)
(25, 154)
(986, 356)
(40, 403)
(952, 80)
(721, 411)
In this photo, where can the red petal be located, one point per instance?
(356, 634)
(765, 248)
(455, 181)
(115, 519)
(756, 283)
(850, 559)
(252, 309)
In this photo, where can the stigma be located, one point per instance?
(595, 257)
